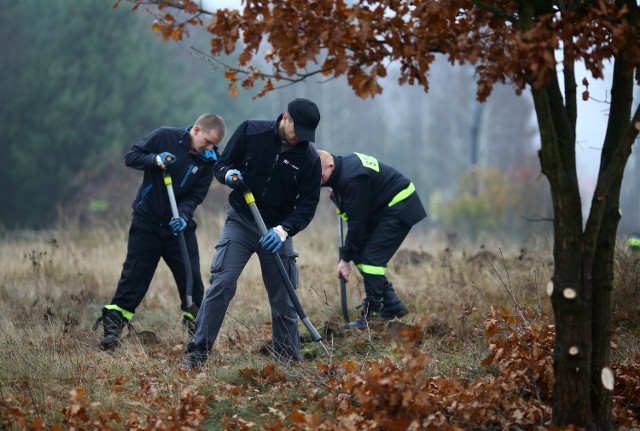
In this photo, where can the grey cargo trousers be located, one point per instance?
(238, 241)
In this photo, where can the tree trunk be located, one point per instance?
(571, 297)
(613, 153)
(584, 258)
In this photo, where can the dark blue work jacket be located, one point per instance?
(285, 184)
(364, 190)
(191, 176)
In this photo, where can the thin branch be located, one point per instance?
(170, 4)
(482, 296)
(543, 219)
(508, 289)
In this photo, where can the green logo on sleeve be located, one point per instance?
(368, 162)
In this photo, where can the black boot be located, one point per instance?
(371, 311)
(392, 305)
(113, 322)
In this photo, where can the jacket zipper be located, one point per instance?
(273, 167)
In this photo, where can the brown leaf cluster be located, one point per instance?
(400, 395)
(504, 40)
(627, 393)
(82, 414)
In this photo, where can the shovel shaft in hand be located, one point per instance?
(186, 261)
(249, 198)
(343, 283)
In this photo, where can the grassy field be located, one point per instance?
(53, 376)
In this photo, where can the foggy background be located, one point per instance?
(82, 82)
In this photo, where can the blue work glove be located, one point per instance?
(228, 178)
(274, 239)
(165, 159)
(177, 225)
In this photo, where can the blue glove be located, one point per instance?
(229, 178)
(177, 225)
(274, 239)
(165, 159)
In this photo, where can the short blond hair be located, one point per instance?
(208, 122)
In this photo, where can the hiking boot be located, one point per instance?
(392, 305)
(363, 321)
(189, 324)
(113, 322)
(371, 310)
(194, 361)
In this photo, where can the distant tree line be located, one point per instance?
(83, 82)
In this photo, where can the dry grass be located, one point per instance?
(52, 291)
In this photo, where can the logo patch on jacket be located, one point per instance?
(288, 163)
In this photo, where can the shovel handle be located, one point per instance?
(186, 261)
(250, 199)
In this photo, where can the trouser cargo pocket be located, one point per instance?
(218, 256)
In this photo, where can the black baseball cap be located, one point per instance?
(306, 116)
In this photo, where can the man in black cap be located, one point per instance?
(278, 163)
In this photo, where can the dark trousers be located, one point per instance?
(145, 248)
(238, 241)
(382, 243)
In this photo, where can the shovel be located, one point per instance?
(191, 307)
(343, 283)
(248, 197)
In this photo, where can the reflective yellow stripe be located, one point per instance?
(634, 242)
(403, 194)
(343, 216)
(248, 197)
(126, 314)
(189, 315)
(372, 270)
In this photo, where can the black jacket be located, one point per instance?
(191, 175)
(362, 189)
(286, 185)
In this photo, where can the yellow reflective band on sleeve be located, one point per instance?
(189, 315)
(634, 242)
(126, 314)
(167, 180)
(248, 197)
(371, 270)
(403, 194)
(368, 161)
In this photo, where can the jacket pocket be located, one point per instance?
(218, 256)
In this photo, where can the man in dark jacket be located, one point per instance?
(188, 155)
(380, 205)
(278, 163)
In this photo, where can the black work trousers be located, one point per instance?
(382, 243)
(145, 248)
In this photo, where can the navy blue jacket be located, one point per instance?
(362, 190)
(191, 175)
(286, 185)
